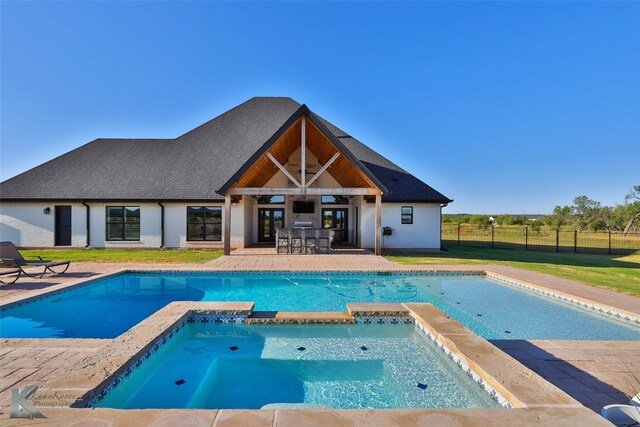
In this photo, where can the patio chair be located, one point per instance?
(11, 257)
(8, 271)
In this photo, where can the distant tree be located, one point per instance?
(619, 217)
(632, 203)
(588, 212)
(519, 220)
(562, 217)
(480, 220)
(455, 218)
(502, 220)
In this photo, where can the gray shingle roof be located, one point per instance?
(193, 166)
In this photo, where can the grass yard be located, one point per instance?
(126, 255)
(616, 272)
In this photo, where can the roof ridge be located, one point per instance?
(231, 110)
(133, 139)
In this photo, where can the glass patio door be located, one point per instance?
(336, 218)
(269, 220)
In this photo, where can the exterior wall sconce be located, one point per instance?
(46, 211)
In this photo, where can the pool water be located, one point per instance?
(493, 310)
(247, 366)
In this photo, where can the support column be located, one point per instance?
(378, 237)
(227, 224)
(303, 154)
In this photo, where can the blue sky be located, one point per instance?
(504, 107)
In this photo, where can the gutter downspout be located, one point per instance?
(88, 225)
(442, 205)
(161, 224)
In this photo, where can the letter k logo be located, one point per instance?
(21, 407)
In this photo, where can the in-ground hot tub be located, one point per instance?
(252, 366)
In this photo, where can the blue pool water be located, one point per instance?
(339, 366)
(109, 307)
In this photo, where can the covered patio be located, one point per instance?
(303, 178)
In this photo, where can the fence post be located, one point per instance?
(493, 239)
(458, 234)
(526, 238)
(575, 240)
(557, 240)
(609, 241)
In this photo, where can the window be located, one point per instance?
(204, 223)
(123, 223)
(335, 200)
(271, 200)
(406, 213)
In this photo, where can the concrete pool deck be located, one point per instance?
(594, 373)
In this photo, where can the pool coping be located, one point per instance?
(508, 381)
(584, 303)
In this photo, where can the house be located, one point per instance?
(231, 182)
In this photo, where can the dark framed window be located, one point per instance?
(204, 223)
(271, 200)
(406, 213)
(334, 200)
(123, 223)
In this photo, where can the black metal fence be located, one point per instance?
(539, 239)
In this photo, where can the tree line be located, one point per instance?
(584, 214)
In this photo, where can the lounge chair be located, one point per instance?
(622, 415)
(11, 257)
(8, 271)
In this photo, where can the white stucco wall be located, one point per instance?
(424, 233)
(149, 226)
(25, 224)
(175, 226)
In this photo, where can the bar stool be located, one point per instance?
(295, 241)
(311, 242)
(324, 240)
(282, 239)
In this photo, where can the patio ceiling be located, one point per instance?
(343, 170)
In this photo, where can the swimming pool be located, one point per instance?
(493, 310)
(248, 366)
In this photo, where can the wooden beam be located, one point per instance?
(378, 236)
(341, 191)
(303, 154)
(227, 224)
(282, 168)
(323, 168)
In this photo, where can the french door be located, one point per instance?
(336, 218)
(269, 220)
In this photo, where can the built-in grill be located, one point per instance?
(303, 224)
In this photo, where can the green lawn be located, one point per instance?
(126, 255)
(616, 272)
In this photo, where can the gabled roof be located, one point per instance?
(197, 165)
(303, 110)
